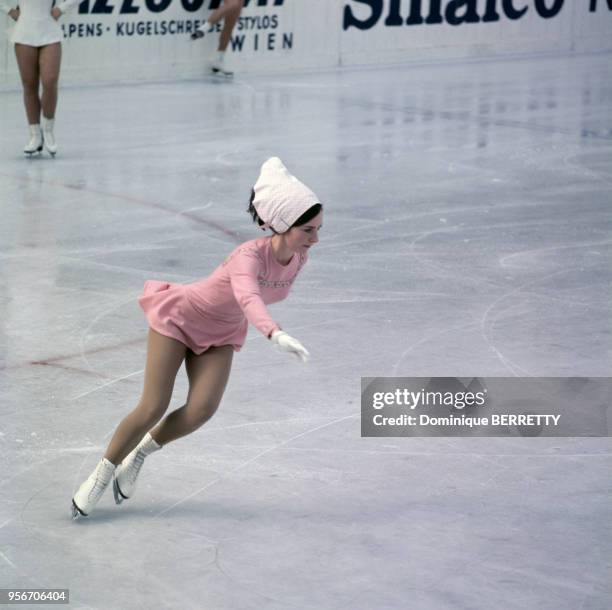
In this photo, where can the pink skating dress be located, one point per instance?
(216, 311)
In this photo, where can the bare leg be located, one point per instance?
(27, 61)
(208, 375)
(227, 7)
(228, 25)
(164, 358)
(49, 62)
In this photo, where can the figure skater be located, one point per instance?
(37, 37)
(203, 324)
(229, 12)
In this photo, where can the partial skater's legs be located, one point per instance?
(50, 58)
(164, 358)
(27, 62)
(228, 7)
(229, 11)
(231, 17)
(208, 374)
(49, 63)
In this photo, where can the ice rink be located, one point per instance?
(467, 232)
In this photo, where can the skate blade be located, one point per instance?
(76, 512)
(221, 74)
(119, 497)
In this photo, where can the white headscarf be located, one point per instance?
(280, 198)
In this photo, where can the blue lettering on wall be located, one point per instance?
(157, 6)
(593, 5)
(365, 14)
(127, 7)
(256, 31)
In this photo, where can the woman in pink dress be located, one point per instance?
(203, 324)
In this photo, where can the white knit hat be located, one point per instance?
(280, 198)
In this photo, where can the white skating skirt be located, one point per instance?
(36, 32)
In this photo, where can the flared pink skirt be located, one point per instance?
(170, 312)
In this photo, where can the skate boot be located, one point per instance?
(92, 489)
(124, 479)
(217, 67)
(48, 136)
(217, 70)
(36, 141)
(200, 31)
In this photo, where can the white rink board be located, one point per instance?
(124, 40)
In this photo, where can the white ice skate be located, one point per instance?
(92, 489)
(48, 136)
(124, 479)
(218, 69)
(36, 141)
(199, 32)
(217, 66)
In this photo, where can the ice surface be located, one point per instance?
(467, 232)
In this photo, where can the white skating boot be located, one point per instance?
(92, 489)
(124, 479)
(200, 31)
(36, 140)
(217, 67)
(48, 136)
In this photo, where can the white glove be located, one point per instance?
(288, 344)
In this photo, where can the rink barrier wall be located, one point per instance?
(123, 40)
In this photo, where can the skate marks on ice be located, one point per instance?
(109, 383)
(178, 214)
(253, 459)
(488, 321)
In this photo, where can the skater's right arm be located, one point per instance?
(244, 271)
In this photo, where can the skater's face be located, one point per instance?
(305, 236)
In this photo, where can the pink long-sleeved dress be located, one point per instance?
(216, 311)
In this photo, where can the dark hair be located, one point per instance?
(309, 214)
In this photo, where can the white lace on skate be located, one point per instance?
(97, 490)
(124, 483)
(91, 490)
(134, 468)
